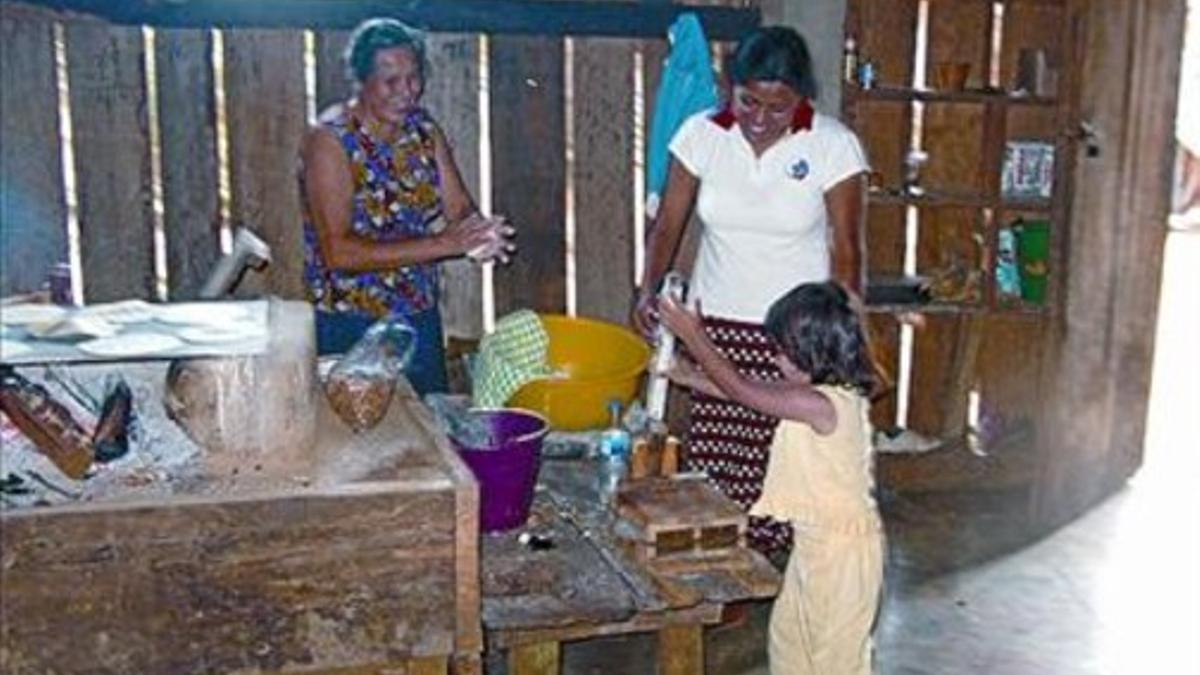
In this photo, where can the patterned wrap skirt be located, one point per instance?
(731, 442)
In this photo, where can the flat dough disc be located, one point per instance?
(131, 344)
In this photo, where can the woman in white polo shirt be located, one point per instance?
(780, 191)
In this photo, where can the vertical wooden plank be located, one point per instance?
(264, 84)
(542, 658)
(959, 33)
(1032, 123)
(187, 120)
(883, 127)
(681, 650)
(1031, 25)
(33, 214)
(452, 95)
(334, 84)
(884, 332)
(1007, 372)
(885, 240)
(106, 72)
(528, 169)
(887, 34)
(933, 351)
(953, 137)
(604, 235)
(1098, 361)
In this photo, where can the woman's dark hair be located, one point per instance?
(374, 35)
(820, 330)
(774, 54)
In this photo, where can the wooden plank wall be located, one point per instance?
(266, 106)
(32, 206)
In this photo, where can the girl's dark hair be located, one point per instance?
(374, 35)
(820, 330)
(774, 54)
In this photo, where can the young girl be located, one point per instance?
(819, 475)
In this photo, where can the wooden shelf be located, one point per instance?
(1014, 307)
(895, 197)
(888, 93)
(925, 308)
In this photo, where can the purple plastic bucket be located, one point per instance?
(507, 466)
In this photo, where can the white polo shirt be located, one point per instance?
(765, 223)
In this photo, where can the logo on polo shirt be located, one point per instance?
(799, 170)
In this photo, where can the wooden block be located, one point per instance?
(681, 650)
(679, 517)
(541, 658)
(669, 464)
(432, 665)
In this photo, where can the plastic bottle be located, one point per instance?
(1008, 274)
(615, 445)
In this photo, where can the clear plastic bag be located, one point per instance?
(361, 385)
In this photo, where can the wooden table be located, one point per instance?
(586, 586)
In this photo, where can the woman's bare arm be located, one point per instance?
(846, 203)
(679, 199)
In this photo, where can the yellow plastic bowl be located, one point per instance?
(601, 361)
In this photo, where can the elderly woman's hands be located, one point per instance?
(480, 238)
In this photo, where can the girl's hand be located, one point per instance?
(686, 324)
(645, 315)
(685, 373)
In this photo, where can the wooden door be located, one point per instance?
(1099, 353)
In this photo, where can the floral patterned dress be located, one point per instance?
(397, 196)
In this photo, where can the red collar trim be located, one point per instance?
(801, 121)
(724, 117)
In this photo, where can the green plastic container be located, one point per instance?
(1033, 252)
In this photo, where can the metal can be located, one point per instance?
(866, 75)
(59, 283)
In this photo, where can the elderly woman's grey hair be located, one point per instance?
(374, 35)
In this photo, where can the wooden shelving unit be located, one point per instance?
(976, 348)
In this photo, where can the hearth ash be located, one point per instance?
(61, 442)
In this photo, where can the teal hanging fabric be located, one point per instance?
(687, 87)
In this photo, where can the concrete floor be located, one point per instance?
(1116, 592)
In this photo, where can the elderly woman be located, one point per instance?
(384, 203)
(780, 191)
